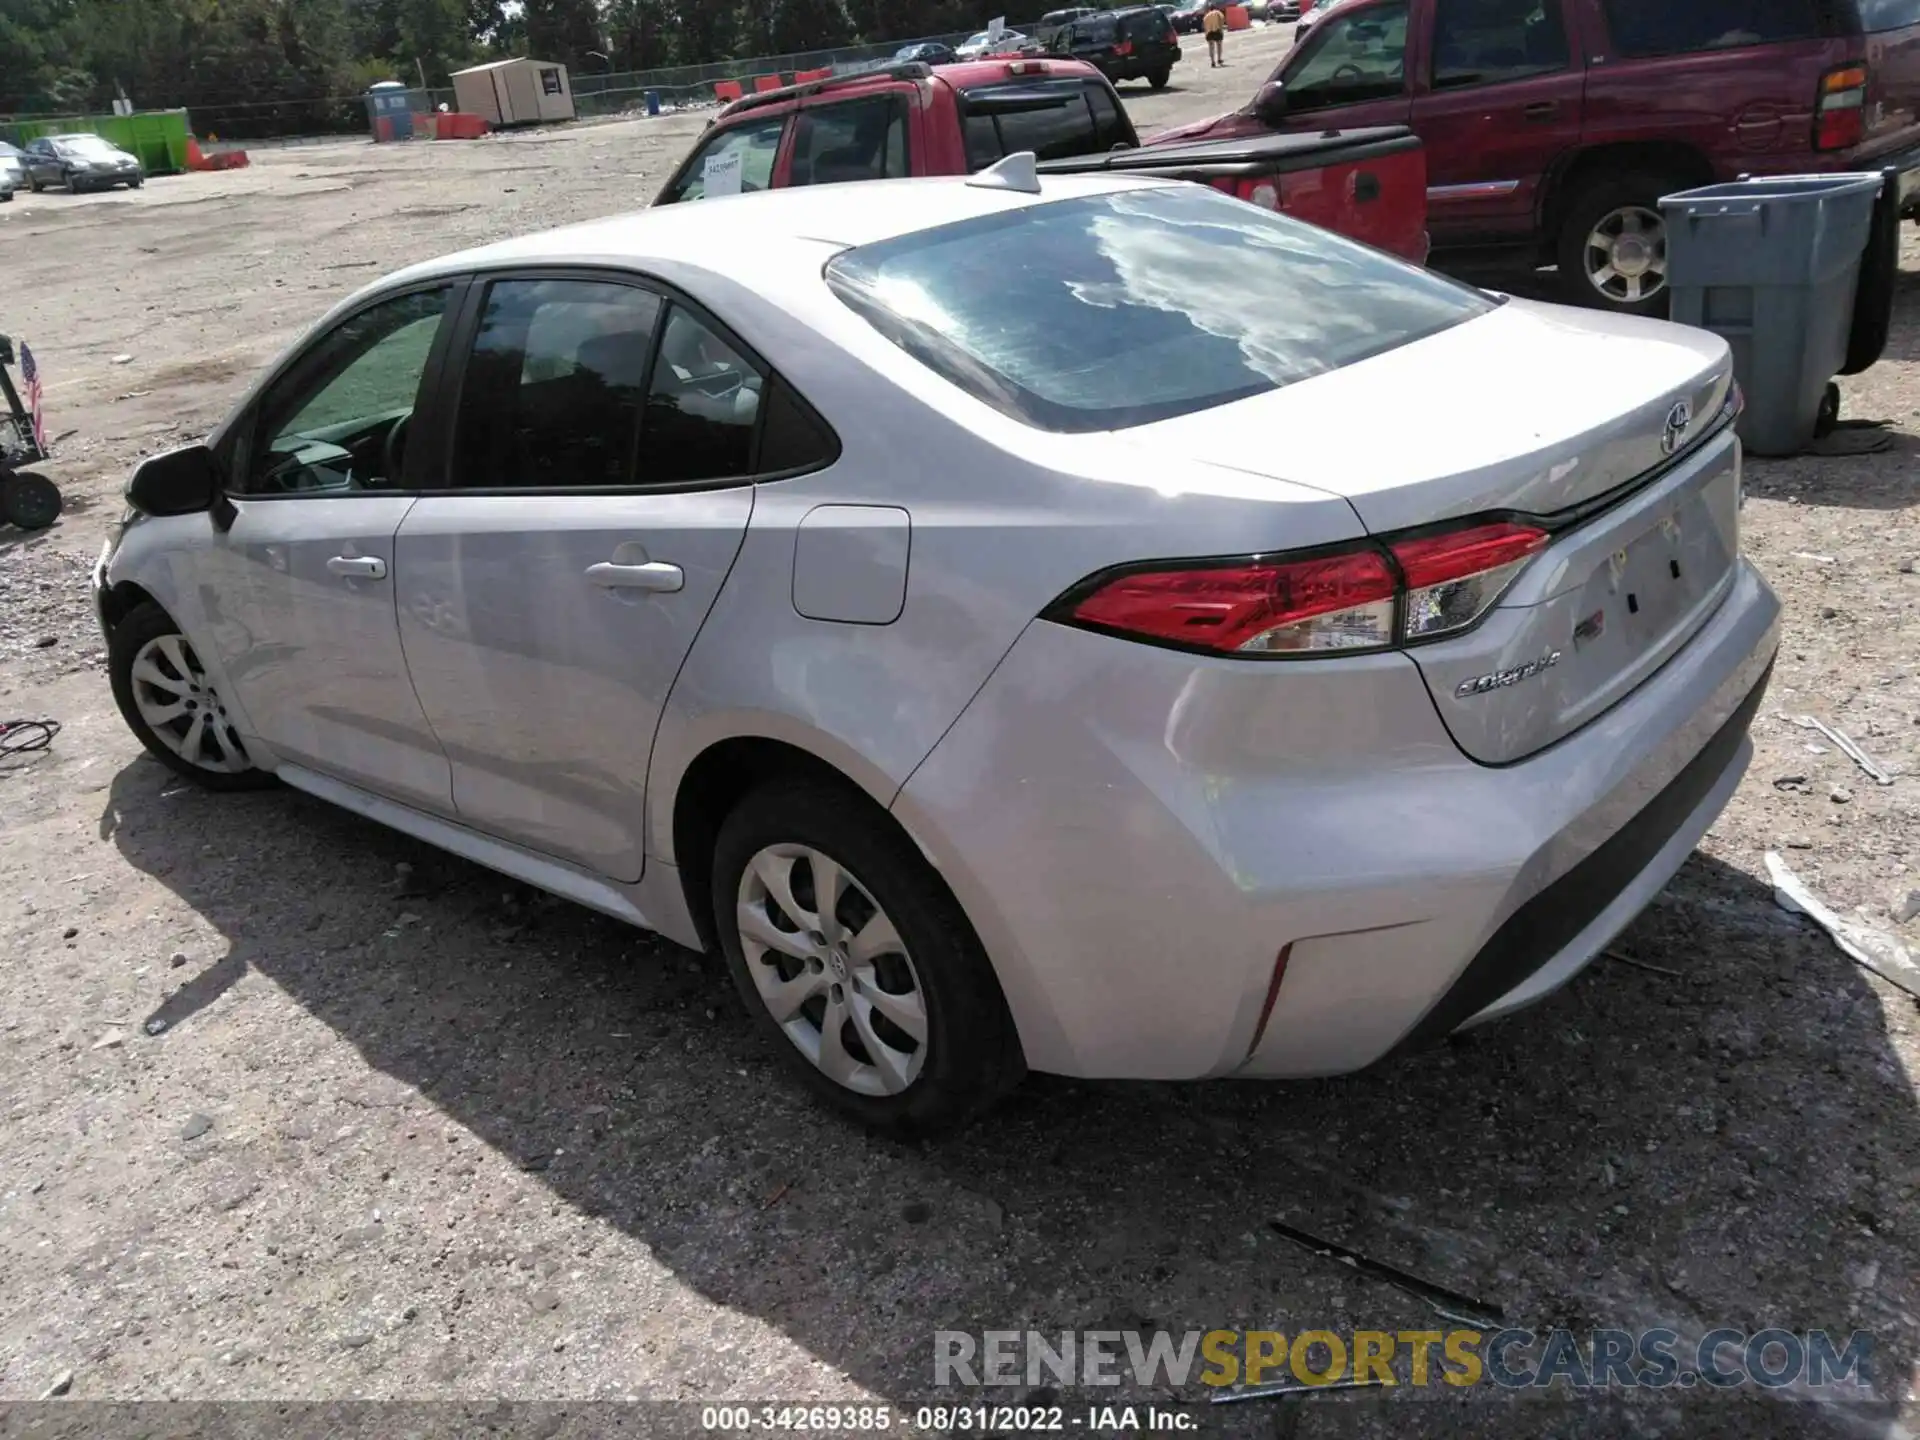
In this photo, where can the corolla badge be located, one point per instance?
(1501, 679)
(1675, 430)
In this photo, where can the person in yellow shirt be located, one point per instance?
(1215, 26)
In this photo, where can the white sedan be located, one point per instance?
(987, 43)
(1009, 625)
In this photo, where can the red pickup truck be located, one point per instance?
(1554, 126)
(911, 119)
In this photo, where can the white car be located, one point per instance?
(1091, 624)
(986, 43)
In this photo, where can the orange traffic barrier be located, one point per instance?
(457, 125)
(198, 159)
(764, 83)
(1238, 18)
(727, 91)
(807, 77)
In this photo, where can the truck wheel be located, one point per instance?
(1613, 244)
(1158, 79)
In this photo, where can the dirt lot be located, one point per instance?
(422, 1134)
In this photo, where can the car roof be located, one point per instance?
(959, 73)
(739, 234)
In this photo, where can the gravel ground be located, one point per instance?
(298, 1109)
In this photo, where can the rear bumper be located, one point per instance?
(1138, 834)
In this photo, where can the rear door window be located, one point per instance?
(1880, 15)
(1144, 27)
(862, 139)
(1054, 119)
(1111, 128)
(1645, 28)
(1478, 42)
(1120, 309)
(736, 161)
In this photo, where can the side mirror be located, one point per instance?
(1270, 104)
(180, 482)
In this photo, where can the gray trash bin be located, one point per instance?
(1771, 265)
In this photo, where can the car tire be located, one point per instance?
(147, 643)
(29, 501)
(1621, 210)
(74, 187)
(1159, 78)
(33, 185)
(925, 956)
(136, 182)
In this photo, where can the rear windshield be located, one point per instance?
(1115, 310)
(1054, 119)
(1148, 25)
(1667, 27)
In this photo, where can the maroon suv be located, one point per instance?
(1553, 126)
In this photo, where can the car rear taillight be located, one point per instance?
(1339, 602)
(1839, 112)
(1357, 599)
(1453, 578)
(1125, 47)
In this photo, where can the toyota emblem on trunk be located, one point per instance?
(1678, 419)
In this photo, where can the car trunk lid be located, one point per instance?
(1612, 433)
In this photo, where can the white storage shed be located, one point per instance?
(514, 92)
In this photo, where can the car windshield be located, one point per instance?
(90, 146)
(1120, 309)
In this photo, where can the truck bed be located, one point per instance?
(1368, 183)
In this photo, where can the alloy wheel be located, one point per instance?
(179, 704)
(832, 970)
(1626, 254)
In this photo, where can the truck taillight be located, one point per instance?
(1125, 47)
(1351, 600)
(1839, 111)
(1263, 193)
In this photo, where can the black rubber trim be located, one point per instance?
(1548, 923)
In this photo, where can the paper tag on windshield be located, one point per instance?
(722, 174)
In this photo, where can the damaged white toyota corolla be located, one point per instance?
(1090, 625)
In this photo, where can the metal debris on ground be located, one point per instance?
(1447, 1304)
(1852, 751)
(777, 1196)
(18, 737)
(1865, 946)
(1642, 964)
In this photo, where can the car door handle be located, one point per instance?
(1542, 110)
(656, 575)
(358, 567)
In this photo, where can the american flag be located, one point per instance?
(30, 373)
